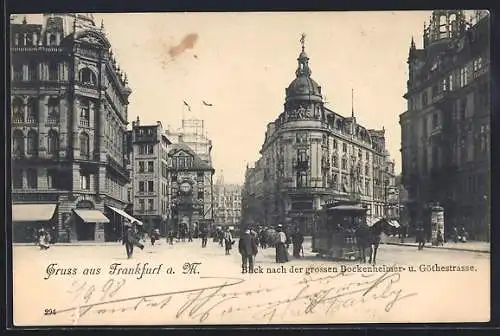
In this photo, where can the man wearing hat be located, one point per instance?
(130, 239)
(247, 247)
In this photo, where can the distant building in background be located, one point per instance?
(391, 191)
(191, 187)
(227, 203)
(150, 181)
(69, 115)
(194, 135)
(312, 155)
(445, 133)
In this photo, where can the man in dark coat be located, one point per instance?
(247, 247)
(297, 241)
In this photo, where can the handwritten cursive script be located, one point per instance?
(321, 295)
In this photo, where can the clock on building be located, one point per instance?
(185, 187)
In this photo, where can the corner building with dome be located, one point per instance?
(312, 155)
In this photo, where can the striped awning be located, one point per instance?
(91, 216)
(125, 215)
(32, 212)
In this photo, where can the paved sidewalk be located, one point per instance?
(470, 246)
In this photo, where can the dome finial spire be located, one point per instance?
(303, 41)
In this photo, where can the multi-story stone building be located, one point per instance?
(150, 182)
(445, 131)
(391, 191)
(69, 103)
(311, 155)
(191, 188)
(227, 203)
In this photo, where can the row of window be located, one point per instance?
(51, 71)
(31, 175)
(146, 149)
(29, 144)
(181, 162)
(146, 186)
(28, 111)
(35, 39)
(142, 166)
(462, 77)
(142, 204)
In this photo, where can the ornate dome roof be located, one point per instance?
(303, 87)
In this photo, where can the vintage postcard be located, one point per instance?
(250, 168)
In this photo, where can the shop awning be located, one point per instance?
(91, 216)
(32, 212)
(126, 215)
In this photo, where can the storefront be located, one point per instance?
(89, 224)
(27, 219)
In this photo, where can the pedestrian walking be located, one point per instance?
(297, 241)
(171, 237)
(440, 240)
(281, 252)
(154, 235)
(228, 241)
(247, 246)
(131, 238)
(420, 238)
(203, 232)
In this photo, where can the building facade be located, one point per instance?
(191, 189)
(194, 136)
(69, 103)
(150, 182)
(446, 130)
(227, 203)
(312, 155)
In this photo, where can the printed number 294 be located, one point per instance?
(50, 311)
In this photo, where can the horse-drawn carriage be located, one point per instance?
(335, 229)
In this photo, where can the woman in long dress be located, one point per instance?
(281, 251)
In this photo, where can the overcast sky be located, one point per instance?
(242, 63)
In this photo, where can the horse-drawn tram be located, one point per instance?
(334, 232)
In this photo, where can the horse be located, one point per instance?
(369, 237)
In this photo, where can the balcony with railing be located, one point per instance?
(85, 122)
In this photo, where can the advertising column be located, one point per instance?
(437, 223)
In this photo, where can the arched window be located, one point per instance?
(17, 110)
(84, 145)
(53, 113)
(32, 110)
(32, 142)
(84, 112)
(53, 145)
(87, 76)
(18, 142)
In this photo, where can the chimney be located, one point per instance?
(181, 138)
(138, 122)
